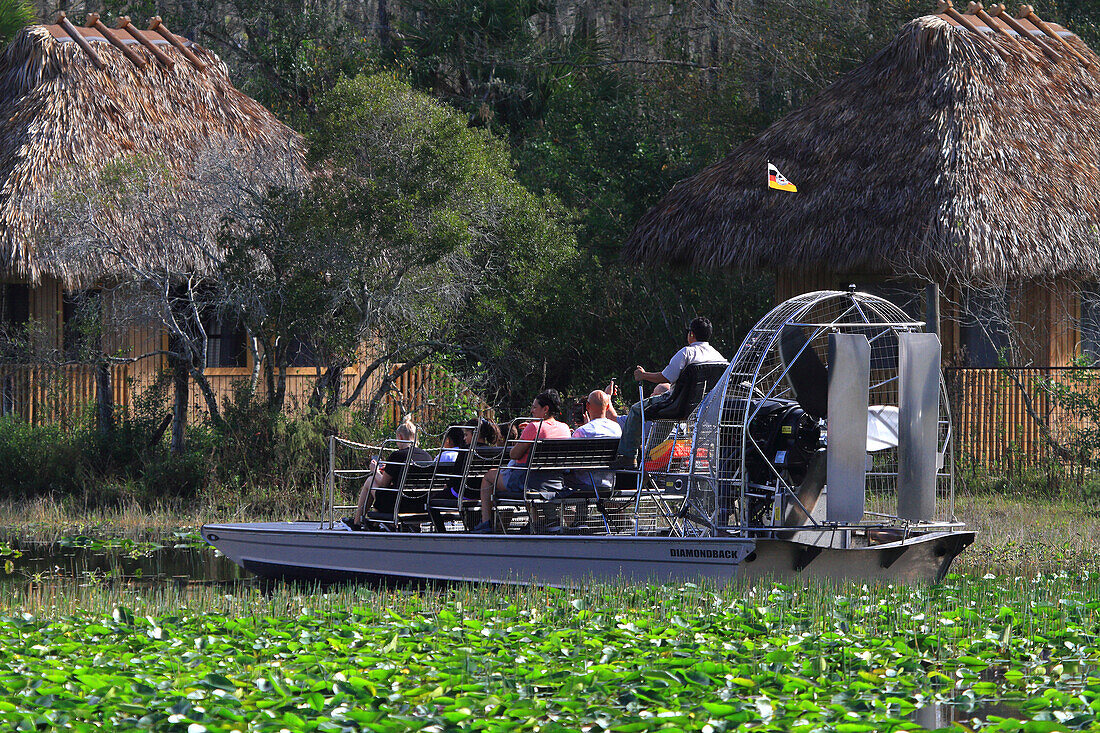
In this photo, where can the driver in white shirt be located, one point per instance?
(697, 351)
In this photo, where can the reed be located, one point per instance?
(46, 520)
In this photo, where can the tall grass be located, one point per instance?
(46, 519)
(815, 603)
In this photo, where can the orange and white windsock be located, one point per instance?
(776, 180)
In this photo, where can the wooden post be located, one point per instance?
(998, 11)
(125, 24)
(948, 8)
(158, 26)
(978, 10)
(1028, 13)
(932, 309)
(104, 403)
(78, 38)
(94, 22)
(181, 398)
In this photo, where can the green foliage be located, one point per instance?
(72, 458)
(485, 57)
(1077, 393)
(437, 241)
(610, 148)
(286, 55)
(1080, 16)
(996, 654)
(263, 458)
(36, 460)
(14, 16)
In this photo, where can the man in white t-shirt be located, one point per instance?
(598, 425)
(697, 351)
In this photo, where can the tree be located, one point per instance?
(417, 222)
(167, 273)
(14, 16)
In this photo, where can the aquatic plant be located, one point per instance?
(604, 657)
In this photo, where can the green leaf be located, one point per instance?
(218, 682)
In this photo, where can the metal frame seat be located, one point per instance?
(570, 507)
(442, 503)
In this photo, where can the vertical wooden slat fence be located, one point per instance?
(995, 425)
(993, 422)
(49, 393)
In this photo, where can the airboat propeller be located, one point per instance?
(836, 395)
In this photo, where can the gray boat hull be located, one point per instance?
(302, 550)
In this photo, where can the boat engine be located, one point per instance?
(789, 440)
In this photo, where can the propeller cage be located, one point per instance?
(852, 372)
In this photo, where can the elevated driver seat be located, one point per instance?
(688, 390)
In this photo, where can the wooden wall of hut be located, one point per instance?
(1044, 314)
(48, 390)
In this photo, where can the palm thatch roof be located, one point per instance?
(970, 144)
(76, 99)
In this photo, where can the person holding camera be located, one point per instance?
(597, 421)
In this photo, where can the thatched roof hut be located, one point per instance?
(970, 144)
(78, 98)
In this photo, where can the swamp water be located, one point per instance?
(105, 634)
(183, 559)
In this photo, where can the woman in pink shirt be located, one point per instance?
(509, 482)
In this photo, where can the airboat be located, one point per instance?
(822, 449)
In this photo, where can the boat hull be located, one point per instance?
(301, 550)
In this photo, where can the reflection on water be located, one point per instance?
(942, 714)
(182, 564)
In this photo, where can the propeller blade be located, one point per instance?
(808, 377)
(809, 491)
(918, 426)
(849, 382)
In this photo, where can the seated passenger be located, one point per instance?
(598, 424)
(455, 444)
(487, 432)
(697, 351)
(453, 455)
(482, 437)
(509, 482)
(390, 472)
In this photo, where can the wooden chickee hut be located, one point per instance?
(74, 100)
(964, 154)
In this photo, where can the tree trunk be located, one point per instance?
(387, 385)
(280, 390)
(257, 363)
(320, 387)
(334, 390)
(104, 402)
(181, 394)
(208, 396)
(384, 27)
(269, 375)
(326, 391)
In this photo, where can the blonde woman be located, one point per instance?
(389, 472)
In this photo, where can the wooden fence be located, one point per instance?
(996, 413)
(44, 394)
(999, 414)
